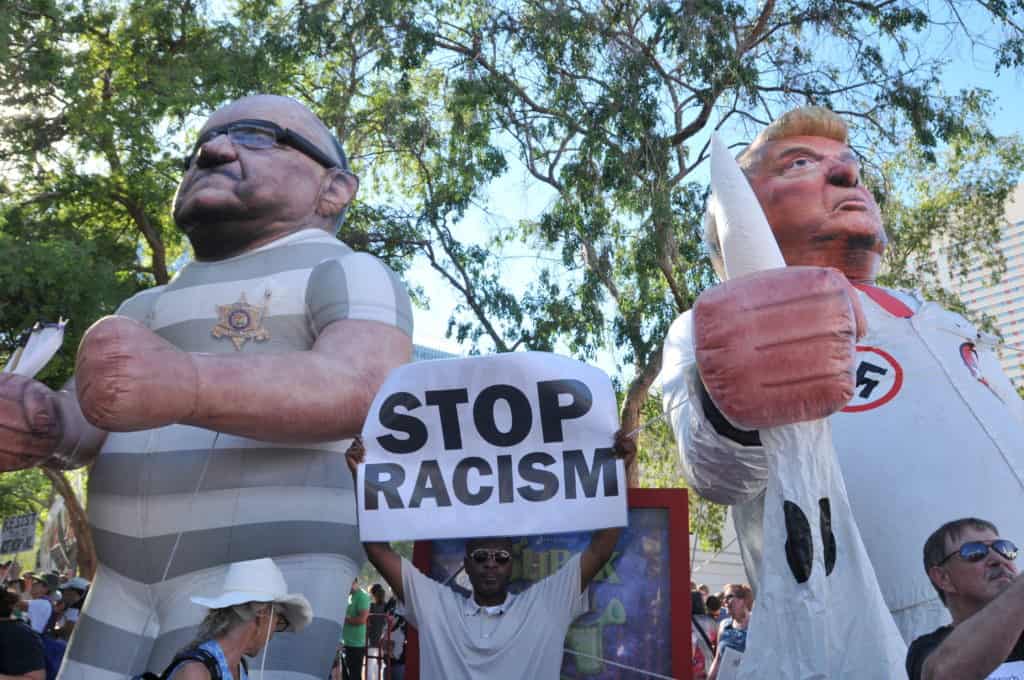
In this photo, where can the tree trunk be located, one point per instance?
(79, 522)
(634, 401)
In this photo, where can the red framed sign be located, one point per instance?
(639, 620)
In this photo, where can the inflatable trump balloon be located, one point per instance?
(838, 418)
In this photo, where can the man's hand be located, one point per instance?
(625, 447)
(355, 455)
(778, 347)
(30, 427)
(129, 378)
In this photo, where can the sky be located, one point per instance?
(518, 196)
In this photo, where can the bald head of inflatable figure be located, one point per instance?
(263, 167)
(807, 180)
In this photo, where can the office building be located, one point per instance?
(1005, 300)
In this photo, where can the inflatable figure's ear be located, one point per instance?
(748, 244)
(337, 191)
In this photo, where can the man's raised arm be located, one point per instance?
(381, 556)
(980, 643)
(602, 542)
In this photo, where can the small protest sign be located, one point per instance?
(19, 533)
(507, 444)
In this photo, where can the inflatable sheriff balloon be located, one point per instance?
(819, 612)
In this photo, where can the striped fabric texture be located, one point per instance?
(171, 507)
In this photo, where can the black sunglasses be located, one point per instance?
(976, 551)
(261, 134)
(481, 555)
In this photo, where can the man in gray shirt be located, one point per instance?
(494, 633)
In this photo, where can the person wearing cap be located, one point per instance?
(40, 608)
(218, 407)
(73, 595)
(252, 604)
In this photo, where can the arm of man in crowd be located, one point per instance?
(603, 541)
(40, 426)
(359, 619)
(129, 378)
(31, 675)
(978, 645)
(381, 556)
(715, 664)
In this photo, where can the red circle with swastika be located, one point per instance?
(890, 393)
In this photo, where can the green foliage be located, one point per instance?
(658, 458)
(54, 273)
(945, 218)
(23, 492)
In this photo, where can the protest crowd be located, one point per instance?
(274, 371)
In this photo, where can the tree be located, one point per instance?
(945, 217)
(659, 468)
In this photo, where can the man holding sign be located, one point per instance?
(494, 632)
(516, 442)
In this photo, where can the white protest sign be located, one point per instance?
(19, 533)
(729, 665)
(510, 444)
(1012, 670)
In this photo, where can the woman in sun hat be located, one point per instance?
(254, 603)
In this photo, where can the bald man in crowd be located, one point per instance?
(218, 408)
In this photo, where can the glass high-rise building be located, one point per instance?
(1005, 300)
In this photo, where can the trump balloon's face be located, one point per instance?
(820, 212)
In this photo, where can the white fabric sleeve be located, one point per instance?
(420, 593)
(39, 611)
(561, 591)
(716, 467)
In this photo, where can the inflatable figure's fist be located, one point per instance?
(29, 422)
(129, 378)
(778, 347)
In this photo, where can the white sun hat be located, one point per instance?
(76, 583)
(260, 581)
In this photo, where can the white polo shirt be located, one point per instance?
(39, 611)
(522, 638)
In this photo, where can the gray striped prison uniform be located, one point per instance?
(212, 498)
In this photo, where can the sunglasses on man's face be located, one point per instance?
(481, 555)
(976, 551)
(261, 134)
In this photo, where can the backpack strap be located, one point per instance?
(700, 629)
(195, 654)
